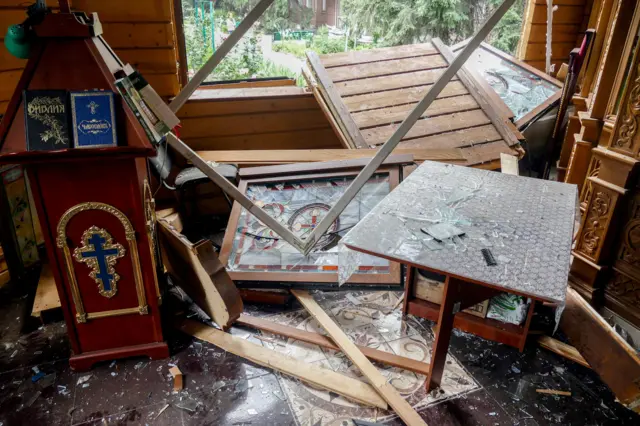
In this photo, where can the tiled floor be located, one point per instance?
(488, 383)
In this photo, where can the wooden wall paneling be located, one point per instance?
(129, 35)
(127, 10)
(593, 60)
(307, 139)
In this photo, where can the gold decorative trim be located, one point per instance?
(150, 218)
(92, 261)
(61, 241)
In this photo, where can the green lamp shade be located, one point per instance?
(17, 42)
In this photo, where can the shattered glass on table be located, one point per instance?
(300, 205)
(523, 225)
(520, 89)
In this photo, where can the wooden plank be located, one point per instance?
(137, 35)
(394, 66)
(323, 137)
(247, 106)
(560, 33)
(562, 2)
(563, 15)
(327, 166)
(396, 114)
(509, 164)
(377, 380)
(160, 60)
(537, 51)
(562, 349)
(429, 126)
(315, 155)
(374, 55)
(221, 93)
(325, 342)
(491, 104)
(261, 122)
(201, 273)
(8, 83)
(327, 113)
(486, 153)
(332, 98)
(127, 10)
(456, 139)
(412, 95)
(348, 387)
(167, 85)
(553, 392)
(379, 84)
(607, 353)
(47, 293)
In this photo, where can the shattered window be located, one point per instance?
(521, 90)
(300, 205)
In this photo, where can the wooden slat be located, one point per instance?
(396, 114)
(537, 51)
(46, 294)
(394, 66)
(166, 85)
(377, 380)
(379, 84)
(562, 349)
(348, 387)
(127, 10)
(314, 155)
(373, 55)
(456, 139)
(252, 123)
(300, 139)
(486, 153)
(193, 109)
(564, 15)
(158, 61)
(325, 342)
(399, 96)
(276, 82)
(137, 35)
(559, 33)
(333, 100)
(429, 126)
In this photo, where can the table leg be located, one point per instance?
(408, 289)
(443, 334)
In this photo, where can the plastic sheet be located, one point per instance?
(521, 90)
(300, 205)
(524, 225)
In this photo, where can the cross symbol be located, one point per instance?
(100, 254)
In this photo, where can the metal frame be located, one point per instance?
(305, 246)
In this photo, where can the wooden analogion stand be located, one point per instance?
(91, 203)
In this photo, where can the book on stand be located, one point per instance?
(46, 119)
(93, 119)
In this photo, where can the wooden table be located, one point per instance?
(526, 225)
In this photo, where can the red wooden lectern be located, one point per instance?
(95, 214)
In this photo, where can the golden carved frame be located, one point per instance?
(61, 241)
(150, 220)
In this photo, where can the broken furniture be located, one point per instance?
(369, 93)
(91, 202)
(506, 233)
(299, 196)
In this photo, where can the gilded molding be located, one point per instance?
(61, 241)
(151, 220)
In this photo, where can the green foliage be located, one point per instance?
(506, 35)
(294, 48)
(323, 44)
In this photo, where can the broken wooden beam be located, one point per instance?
(287, 156)
(348, 387)
(562, 349)
(325, 342)
(377, 380)
(615, 361)
(178, 379)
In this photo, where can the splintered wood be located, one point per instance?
(370, 92)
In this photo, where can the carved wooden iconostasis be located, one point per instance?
(257, 258)
(606, 267)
